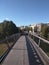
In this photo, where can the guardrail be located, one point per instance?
(42, 47)
(12, 39)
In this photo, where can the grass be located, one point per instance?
(48, 53)
(45, 47)
(3, 48)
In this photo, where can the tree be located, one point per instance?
(35, 28)
(48, 32)
(28, 28)
(8, 28)
(44, 31)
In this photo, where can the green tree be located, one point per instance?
(8, 28)
(35, 28)
(45, 31)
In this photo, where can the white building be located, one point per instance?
(38, 27)
(33, 27)
(22, 27)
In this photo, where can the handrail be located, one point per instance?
(40, 52)
(7, 51)
(40, 38)
(9, 37)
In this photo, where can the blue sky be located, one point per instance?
(25, 12)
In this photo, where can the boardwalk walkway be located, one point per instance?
(22, 53)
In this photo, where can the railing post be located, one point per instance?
(33, 37)
(7, 42)
(39, 42)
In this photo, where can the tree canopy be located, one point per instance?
(7, 28)
(35, 28)
(44, 31)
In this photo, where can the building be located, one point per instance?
(22, 27)
(39, 27)
(32, 26)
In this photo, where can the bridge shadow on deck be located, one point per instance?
(31, 56)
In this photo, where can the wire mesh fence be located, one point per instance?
(43, 44)
(6, 45)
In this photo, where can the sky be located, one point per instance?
(24, 12)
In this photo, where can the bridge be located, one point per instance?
(25, 52)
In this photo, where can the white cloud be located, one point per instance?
(7, 19)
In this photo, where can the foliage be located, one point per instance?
(35, 29)
(28, 28)
(44, 31)
(7, 28)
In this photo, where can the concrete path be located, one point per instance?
(18, 55)
(23, 53)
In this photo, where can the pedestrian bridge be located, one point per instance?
(23, 53)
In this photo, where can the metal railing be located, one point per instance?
(42, 47)
(44, 44)
(9, 41)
